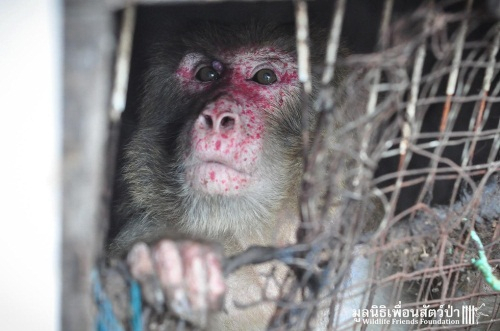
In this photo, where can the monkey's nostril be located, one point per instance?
(208, 121)
(227, 122)
(218, 122)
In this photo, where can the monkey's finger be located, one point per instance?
(169, 268)
(141, 267)
(216, 281)
(196, 284)
(139, 261)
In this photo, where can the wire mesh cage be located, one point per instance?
(400, 197)
(431, 96)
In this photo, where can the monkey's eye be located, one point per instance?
(207, 74)
(265, 77)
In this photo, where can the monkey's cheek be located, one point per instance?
(217, 179)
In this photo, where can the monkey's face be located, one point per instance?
(225, 155)
(218, 148)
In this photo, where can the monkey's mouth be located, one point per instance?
(217, 177)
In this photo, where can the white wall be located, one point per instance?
(30, 157)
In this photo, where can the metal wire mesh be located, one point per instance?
(426, 147)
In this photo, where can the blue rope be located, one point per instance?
(106, 318)
(136, 305)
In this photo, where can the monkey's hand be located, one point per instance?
(186, 275)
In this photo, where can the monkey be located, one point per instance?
(217, 157)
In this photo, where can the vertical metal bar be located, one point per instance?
(303, 53)
(332, 46)
(455, 66)
(488, 77)
(382, 44)
(122, 65)
(373, 95)
(118, 97)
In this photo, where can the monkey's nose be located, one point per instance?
(221, 122)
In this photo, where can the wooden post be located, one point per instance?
(88, 47)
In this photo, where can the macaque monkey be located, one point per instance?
(217, 157)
